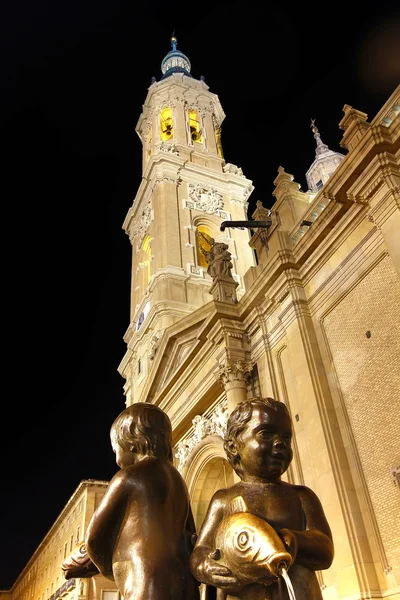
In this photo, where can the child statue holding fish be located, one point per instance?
(262, 530)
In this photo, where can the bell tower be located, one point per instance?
(187, 190)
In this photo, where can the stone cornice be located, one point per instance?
(170, 166)
(207, 316)
(383, 168)
(161, 166)
(376, 140)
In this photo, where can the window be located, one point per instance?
(65, 550)
(204, 240)
(139, 366)
(194, 125)
(218, 140)
(71, 543)
(166, 131)
(149, 142)
(78, 533)
(145, 265)
(80, 507)
(319, 184)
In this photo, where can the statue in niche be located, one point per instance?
(218, 258)
(262, 531)
(140, 536)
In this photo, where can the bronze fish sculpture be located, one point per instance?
(249, 546)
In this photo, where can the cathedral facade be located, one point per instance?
(311, 316)
(307, 312)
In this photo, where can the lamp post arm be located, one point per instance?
(246, 224)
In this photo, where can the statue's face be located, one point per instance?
(264, 445)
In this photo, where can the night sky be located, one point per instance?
(74, 76)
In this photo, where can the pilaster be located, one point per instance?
(325, 466)
(234, 366)
(385, 206)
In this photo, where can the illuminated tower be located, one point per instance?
(187, 190)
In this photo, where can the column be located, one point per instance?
(234, 375)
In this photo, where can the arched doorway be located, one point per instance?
(206, 472)
(216, 474)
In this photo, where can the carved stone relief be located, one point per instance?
(168, 147)
(205, 199)
(234, 370)
(142, 223)
(214, 424)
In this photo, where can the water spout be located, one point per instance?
(283, 572)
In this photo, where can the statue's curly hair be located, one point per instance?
(238, 418)
(143, 428)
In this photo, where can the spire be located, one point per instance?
(324, 164)
(175, 61)
(321, 147)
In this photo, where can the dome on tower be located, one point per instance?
(175, 61)
(325, 163)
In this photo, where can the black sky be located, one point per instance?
(74, 76)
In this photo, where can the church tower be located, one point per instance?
(187, 190)
(325, 163)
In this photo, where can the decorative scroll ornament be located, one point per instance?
(231, 168)
(155, 341)
(168, 147)
(215, 424)
(206, 199)
(142, 224)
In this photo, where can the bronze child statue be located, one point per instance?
(261, 524)
(140, 533)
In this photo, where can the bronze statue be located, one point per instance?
(140, 535)
(260, 528)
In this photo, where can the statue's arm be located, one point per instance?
(204, 560)
(191, 526)
(105, 524)
(313, 547)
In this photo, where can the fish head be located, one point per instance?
(249, 546)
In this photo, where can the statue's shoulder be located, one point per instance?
(224, 495)
(305, 493)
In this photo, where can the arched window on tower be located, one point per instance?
(218, 140)
(166, 128)
(149, 141)
(204, 236)
(194, 126)
(145, 265)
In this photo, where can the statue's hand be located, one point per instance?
(290, 540)
(218, 575)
